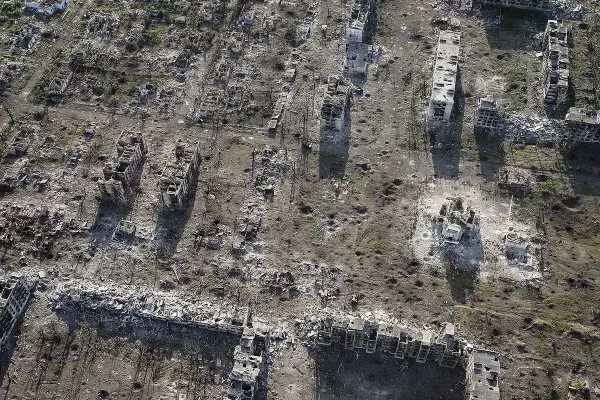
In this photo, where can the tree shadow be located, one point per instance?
(446, 138)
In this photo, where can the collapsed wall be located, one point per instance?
(15, 292)
(423, 345)
(445, 73)
(556, 68)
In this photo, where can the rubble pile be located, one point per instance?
(33, 229)
(8, 71)
(516, 181)
(100, 24)
(20, 143)
(15, 292)
(119, 306)
(24, 41)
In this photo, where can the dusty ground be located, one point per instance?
(345, 224)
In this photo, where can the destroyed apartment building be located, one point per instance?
(359, 30)
(456, 218)
(335, 111)
(164, 313)
(556, 67)
(177, 178)
(15, 292)
(118, 176)
(422, 345)
(584, 125)
(489, 115)
(445, 72)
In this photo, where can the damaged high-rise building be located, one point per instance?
(15, 292)
(177, 178)
(445, 73)
(335, 110)
(359, 30)
(489, 115)
(584, 125)
(423, 345)
(556, 67)
(118, 176)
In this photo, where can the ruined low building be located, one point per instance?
(15, 292)
(455, 218)
(584, 125)
(335, 110)
(483, 375)
(489, 115)
(118, 176)
(445, 74)
(20, 142)
(556, 68)
(46, 8)
(176, 178)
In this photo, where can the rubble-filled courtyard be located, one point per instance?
(299, 200)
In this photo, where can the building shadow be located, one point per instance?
(170, 224)
(461, 262)
(516, 27)
(334, 153)
(111, 211)
(582, 162)
(446, 138)
(337, 371)
(490, 151)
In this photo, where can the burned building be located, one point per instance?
(15, 292)
(177, 178)
(489, 115)
(483, 375)
(335, 110)
(556, 68)
(539, 5)
(455, 219)
(584, 125)
(445, 72)
(119, 175)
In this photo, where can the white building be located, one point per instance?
(444, 77)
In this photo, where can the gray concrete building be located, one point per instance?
(15, 292)
(176, 178)
(556, 67)
(445, 73)
(584, 125)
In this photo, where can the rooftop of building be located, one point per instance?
(582, 115)
(446, 67)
